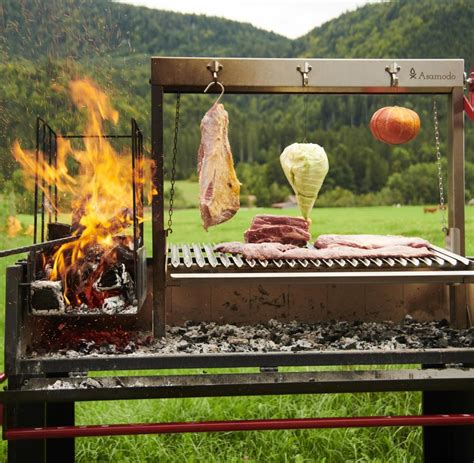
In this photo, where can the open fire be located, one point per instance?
(97, 271)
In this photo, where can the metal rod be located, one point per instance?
(386, 277)
(38, 246)
(35, 218)
(55, 185)
(367, 76)
(43, 144)
(157, 206)
(50, 187)
(134, 198)
(62, 432)
(94, 136)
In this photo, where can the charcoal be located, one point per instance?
(114, 277)
(201, 338)
(182, 345)
(47, 296)
(58, 230)
(113, 305)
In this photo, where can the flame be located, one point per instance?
(101, 188)
(13, 226)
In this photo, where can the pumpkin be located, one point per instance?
(395, 125)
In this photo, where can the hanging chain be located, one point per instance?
(442, 205)
(169, 230)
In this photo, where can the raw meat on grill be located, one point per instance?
(267, 251)
(219, 197)
(285, 234)
(269, 219)
(369, 241)
(258, 251)
(278, 229)
(348, 252)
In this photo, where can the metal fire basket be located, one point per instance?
(180, 273)
(46, 215)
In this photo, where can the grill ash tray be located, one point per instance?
(294, 337)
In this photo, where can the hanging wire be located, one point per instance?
(442, 204)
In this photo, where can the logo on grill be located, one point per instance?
(425, 76)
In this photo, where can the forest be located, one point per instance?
(112, 43)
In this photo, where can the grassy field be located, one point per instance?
(352, 445)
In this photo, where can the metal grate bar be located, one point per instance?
(210, 255)
(187, 257)
(175, 256)
(203, 255)
(198, 255)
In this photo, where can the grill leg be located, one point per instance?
(60, 450)
(25, 415)
(448, 443)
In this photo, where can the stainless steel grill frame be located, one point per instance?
(191, 264)
(447, 375)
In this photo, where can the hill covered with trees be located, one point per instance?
(44, 44)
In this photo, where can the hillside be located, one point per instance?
(45, 44)
(87, 28)
(402, 28)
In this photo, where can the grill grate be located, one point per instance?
(201, 257)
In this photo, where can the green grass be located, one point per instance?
(339, 445)
(405, 220)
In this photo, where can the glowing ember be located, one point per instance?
(102, 191)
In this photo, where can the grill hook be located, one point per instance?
(215, 67)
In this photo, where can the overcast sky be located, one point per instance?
(292, 18)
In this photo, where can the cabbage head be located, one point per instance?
(305, 166)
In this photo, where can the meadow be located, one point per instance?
(339, 445)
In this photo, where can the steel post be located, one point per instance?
(456, 198)
(157, 207)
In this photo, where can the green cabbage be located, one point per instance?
(305, 166)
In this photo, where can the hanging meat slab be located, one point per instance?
(219, 197)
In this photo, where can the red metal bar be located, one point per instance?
(245, 425)
(469, 100)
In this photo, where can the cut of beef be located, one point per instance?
(348, 252)
(369, 241)
(268, 219)
(278, 229)
(258, 251)
(285, 234)
(267, 251)
(219, 197)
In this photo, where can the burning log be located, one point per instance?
(58, 230)
(47, 296)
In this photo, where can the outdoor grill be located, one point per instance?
(190, 281)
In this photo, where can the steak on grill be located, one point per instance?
(219, 197)
(348, 252)
(267, 251)
(278, 229)
(269, 219)
(258, 251)
(285, 234)
(369, 241)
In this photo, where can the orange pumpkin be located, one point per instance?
(395, 125)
